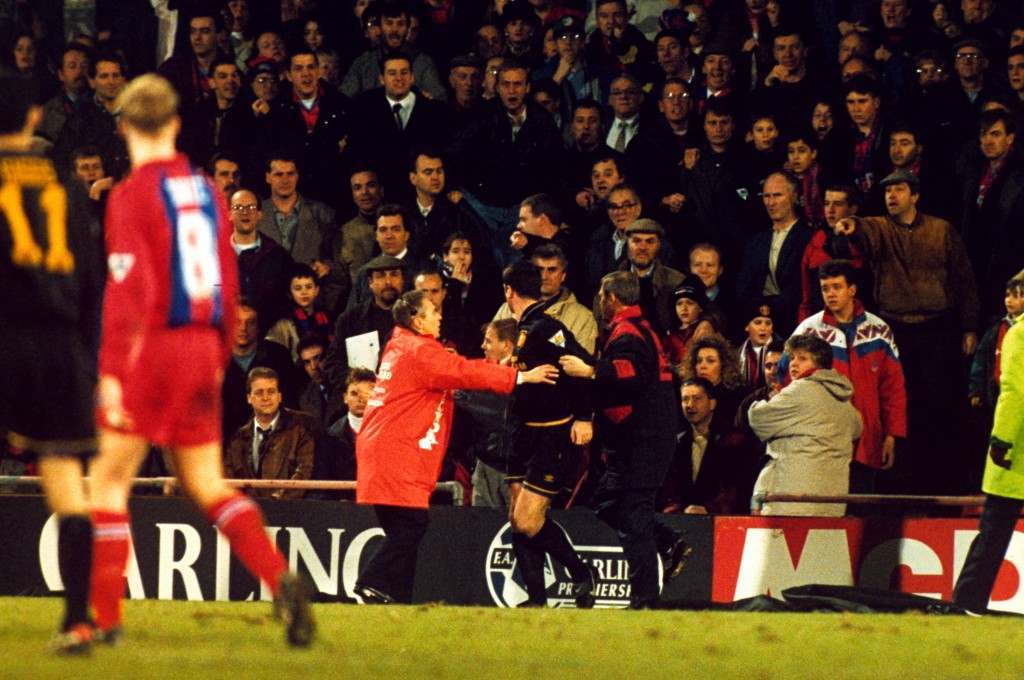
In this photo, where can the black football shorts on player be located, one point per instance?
(47, 391)
(540, 456)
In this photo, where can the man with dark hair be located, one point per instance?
(863, 99)
(249, 349)
(277, 443)
(336, 453)
(841, 200)
(389, 121)
(301, 225)
(435, 217)
(408, 419)
(864, 350)
(810, 428)
(791, 85)
(617, 47)
(190, 70)
(365, 72)
(562, 304)
(313, 123)
(993, 209)
(226, 172)
(587, 145)
(712, 470)
(925, 290)
(540, 224)
(633, 388)
(718, 192)
(907, 151)
(554, 418)
(510, 152)
(315, 399)
(74, 92)
(354, 244)
(466, 79)
(393, 240)
(215, 124)
(52, 271)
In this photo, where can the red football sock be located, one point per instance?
(112, 538)
(241, 521)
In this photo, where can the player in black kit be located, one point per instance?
(554, 418)
(51, 275)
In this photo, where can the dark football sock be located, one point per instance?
(552, 540)
(531, 568)
(75, 561)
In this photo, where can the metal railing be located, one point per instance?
(453, 488)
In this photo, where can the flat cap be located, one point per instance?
(382, 262)
(900, 176)
(645, 225)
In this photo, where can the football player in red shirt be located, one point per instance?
(168, 317)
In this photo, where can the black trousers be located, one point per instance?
(998, 519)
(631, 513)
(393, 569)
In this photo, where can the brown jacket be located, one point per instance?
(921, 270)
(289, 454)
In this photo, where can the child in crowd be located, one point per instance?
(760, 332)
(766, 154)
(986, 369)
(690, 304)
(802, 161)
(305, 316)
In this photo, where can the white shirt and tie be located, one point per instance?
(402, 108)
(622, 133)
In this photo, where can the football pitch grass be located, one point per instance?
(235, 641)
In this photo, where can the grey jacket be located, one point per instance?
(809, 428)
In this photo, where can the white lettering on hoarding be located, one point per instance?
(167, 565)
(766, 566)
(876, 568)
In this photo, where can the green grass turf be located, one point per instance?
(232, 641)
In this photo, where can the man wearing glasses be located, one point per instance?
(263, 265)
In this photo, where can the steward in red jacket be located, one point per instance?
(404, 436)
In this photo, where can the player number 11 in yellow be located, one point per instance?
(25, 251)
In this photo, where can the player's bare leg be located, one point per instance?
(65, 495)
(529, 519)
(111, 473)
(237, 517)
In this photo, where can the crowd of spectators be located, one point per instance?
(846, 170)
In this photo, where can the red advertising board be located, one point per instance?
(766, 555)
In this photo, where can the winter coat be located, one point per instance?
(405, 431)
(865, 352)
(809, 428)
(1008, 428)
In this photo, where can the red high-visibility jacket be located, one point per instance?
(408, 418)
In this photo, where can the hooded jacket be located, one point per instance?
(809, 428)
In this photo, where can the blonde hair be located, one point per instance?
(148, 103)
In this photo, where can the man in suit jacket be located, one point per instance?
(771, 264)
(711, 471)
(276, 444)
(389, 121)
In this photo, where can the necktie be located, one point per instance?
(397, 110)
(620, 141)
(261, 450)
